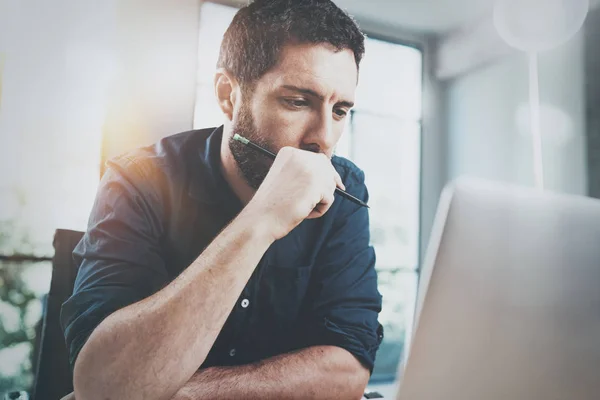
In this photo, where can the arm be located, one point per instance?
(344, 299)
(141, 351)
(137, 348)
(321, 372)
(342, 329)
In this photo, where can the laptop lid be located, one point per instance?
(509, 299)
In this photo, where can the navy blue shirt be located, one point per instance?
(159, 207)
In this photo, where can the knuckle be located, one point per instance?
(286, 151)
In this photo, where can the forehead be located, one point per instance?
(315, 66)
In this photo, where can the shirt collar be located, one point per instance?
(207, 183)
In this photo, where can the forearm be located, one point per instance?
(149, 349)
(320, 372)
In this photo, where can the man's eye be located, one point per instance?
(341, 113)
(296, 103)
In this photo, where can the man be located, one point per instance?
(209, 271)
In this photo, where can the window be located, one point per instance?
(383, 137)
(385, 141)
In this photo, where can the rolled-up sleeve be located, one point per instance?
(119, 257)
(346, 301)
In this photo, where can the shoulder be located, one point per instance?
(170, 161)
(171, 155)
(159, 173)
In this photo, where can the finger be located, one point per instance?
(338, 181)
(336, 176)
(314, 214)
(323, 206)
(318, 211)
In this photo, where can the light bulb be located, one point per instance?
(539, 25)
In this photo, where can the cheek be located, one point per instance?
(338, 128)
(283, 131)
(281, 126)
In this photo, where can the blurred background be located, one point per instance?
(440, 95)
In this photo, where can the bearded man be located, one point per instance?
(209, 271)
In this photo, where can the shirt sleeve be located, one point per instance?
(346, 301)
(119, 257)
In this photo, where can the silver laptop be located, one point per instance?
(509, 299)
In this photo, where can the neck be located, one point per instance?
(231, 172)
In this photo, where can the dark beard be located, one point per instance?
(253, 165)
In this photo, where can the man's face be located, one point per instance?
(302, 102)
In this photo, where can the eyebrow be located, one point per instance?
(312, 93)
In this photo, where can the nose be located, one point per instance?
(320, 136)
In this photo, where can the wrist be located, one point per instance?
(258, 224)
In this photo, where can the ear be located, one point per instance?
(227, 92)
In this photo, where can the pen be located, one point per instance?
(272, 156)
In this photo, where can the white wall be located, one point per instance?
(73, 72)
(488, 135)
(58, 62)
(153, 94)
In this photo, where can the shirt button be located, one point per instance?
(232, 352)
(245, 303)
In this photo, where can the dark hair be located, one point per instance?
(253, 42)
